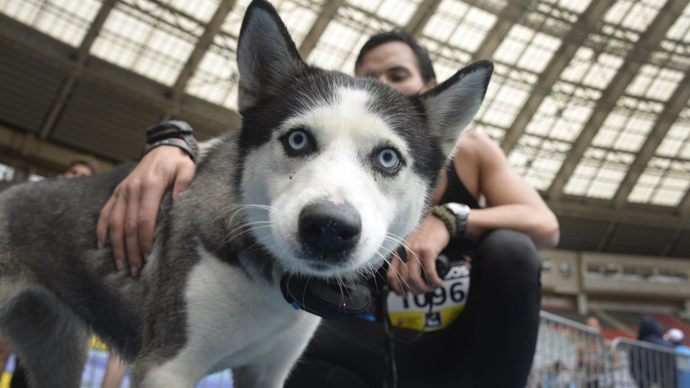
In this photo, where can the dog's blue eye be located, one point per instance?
(388, 159)
(298, 140)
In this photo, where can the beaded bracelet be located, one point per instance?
(447, 217)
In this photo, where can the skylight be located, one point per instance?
(155, 38)
(148, 38)
(65, 20)
(666, 179)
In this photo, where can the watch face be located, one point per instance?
(460, 210)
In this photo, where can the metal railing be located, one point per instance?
(98, 359)
(645, 365)
(572, 355)
(569, 354)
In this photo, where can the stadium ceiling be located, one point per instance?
(589, 99)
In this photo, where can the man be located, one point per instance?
(651, 367)
(84, 166)
(493, 341)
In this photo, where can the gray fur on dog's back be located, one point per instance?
(51, 227)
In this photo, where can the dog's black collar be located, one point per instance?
(325, 299)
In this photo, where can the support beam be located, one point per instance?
(424, 12)
(670, 114)
(684, 207)
(589, 20)
(647, 215)
(606, 237)
(672, 242)
(328, 12)
(44, 49)
(212, 29)
(55, 157)
(80, 59)
(510, 15)
(649, 40)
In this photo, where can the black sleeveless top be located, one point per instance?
(456, 190)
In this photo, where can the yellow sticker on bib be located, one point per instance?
(412, 312)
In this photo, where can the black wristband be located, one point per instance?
(168, 142)
(173, 129)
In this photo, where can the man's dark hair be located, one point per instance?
(423, 58)
(87, 160)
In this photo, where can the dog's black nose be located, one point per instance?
(329, 230)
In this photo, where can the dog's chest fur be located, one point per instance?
(240, 311)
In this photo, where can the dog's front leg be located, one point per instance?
(271, 370)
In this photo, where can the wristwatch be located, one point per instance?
(461, 212)
(160, 135)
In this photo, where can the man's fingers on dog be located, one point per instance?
(148, 213)
(132, 227)
(103, 220)
(184, 176)
(117, 237)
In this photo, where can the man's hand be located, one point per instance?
(423, 247)
(130, 214)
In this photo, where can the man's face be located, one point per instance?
(77, 170)
(395, 64)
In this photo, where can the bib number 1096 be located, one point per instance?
(412, 311)
(454, 293)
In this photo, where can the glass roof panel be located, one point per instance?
(654, 83)
(147, 38)
(298, 16)
(217, 74)
(662, 183)
(216, 77)
(201, 10)
(680, 30)
(65, 20)
(590, 69)
(398, 12)
(665, 179)
(538, 160)
(576, 6)
(457, 25)
(340, 43)
(624, 130)
(504, 98)
(599, 173)
(634, 14)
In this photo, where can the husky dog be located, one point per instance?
(327, 176)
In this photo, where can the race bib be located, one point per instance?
(412, 312)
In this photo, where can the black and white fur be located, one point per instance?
(258, 208)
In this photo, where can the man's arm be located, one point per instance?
(513, 204)
(129, 216)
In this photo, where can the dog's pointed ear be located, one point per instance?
(452, 105)
(266, 55)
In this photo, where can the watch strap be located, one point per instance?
(168, 142)
(173, 129)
